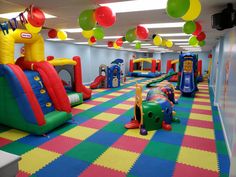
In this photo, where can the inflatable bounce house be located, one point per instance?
(145, 67)
(170, 68)
(71, 76)
(156, 111)
(109, 77)
(32, 95)
(188, 69)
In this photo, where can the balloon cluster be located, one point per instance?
(139, 32)
(198, 36)
(116, 44)
(33, 22)
(53, 33)
(159, 41)
(88, 19)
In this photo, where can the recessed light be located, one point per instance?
(112, 37)
(179, 43)
(100, 45)
(173, 34)
(81, 43)
(164, 25)
(178, 40)
(73, 30)
(56, 39)
(11, 15)
(141, 44)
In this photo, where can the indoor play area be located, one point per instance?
(117, 88)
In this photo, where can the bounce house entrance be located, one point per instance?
(66, 78)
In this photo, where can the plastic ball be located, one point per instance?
(177, 8)
(193, 11)
(105, 16)
(189, 27)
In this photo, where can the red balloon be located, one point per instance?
(110, 44)
(201, 36)
(142, 32)
(210, 55)
(119, 42)
(198, 29)
(52, 33)
(93, 39)
(36, 17)
(104, 16)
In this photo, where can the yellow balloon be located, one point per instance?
(193, 11)
(157, 40)
(89, 42)
(169, 43)
(87, 34)
(32, 29)
(163, 43)
(61, 35)
(116, 46)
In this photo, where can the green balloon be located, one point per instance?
(201, 43)
(130, 35)
(138, 45)
(98, 33)
(87, 20)
(189, 27)
(193, 40)
(177, 8)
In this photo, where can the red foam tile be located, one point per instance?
(201, 111)
(182, 170)
(199, 143)
(75, 111)
(22, 174)
(98, 171)
(4, 141)
(206, 93)
(93, 123)
(117, 111)
(108, 96)
(201, 123)
(128, 102)
(202, 103)
(93, 102)
(131, 144)
(60, 144)
(199, 96)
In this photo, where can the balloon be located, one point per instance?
(138, 45)
(177, 8)
(193, 11)
(36, 17)
(123, 39)
(192, 40)
(201, 43)
(98, 33)
(105, 16)
(142, 32)
(116, 46)
(130, 35)
(201, 36)
(32, 29)
(189, 27)
(119, 42)
(61, 35)
(93, 39)
(157, 40)
(89, 42)
(198, 29)
(163, 43)
(153, 36)
(169, 43)
(52, 33)
(87, 20)
(87, 34)
(110, 44)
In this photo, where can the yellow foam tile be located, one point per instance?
(207, 100)
(106, 116)
(198, 158)
(204, 91)
(80, 133)
(197, 116)
(36, 159)
(124, 90)
(13, 134)
(135, 133)
(123, 106)
(204, 107)
(202, 94)
(84, 106)
(200, 132)
(117, 159)
(131, 99)
(115, 94)
(102, 99)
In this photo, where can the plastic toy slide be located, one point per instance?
(97, 81)
(187, 83)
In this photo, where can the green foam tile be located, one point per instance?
(221, 147)
(217, 126)
(178, 128)
(65, 127)
(17, 148)
(115, 128)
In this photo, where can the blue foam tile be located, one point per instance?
(147, 166)
(182, 109)
(219, 136)
(104, 138)
(168, 137)
(123, 119)
(224, 163)
(99, 108)
(64, 167)
(183, 120)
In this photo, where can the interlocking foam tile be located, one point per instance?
(196, 106)
(93, 123)
(222, 148)
(17, 148)
(93, 102)
(206, 96)
(106, 116)
(115, 94)
(128, 102)
(202, 103)
(60, 144)
(219, 136)
(200, 132)
(117, 159)
(168, 137)
(199, 143)
(131, 144)
(75, 111)
(135, 133)
(123, 106)
(65, 127)
(108, 96)
(162, 150)
(224, 163)
(202, 94)
(202, 100)
(23, 174)
(125, 90)
(98, 171)
(101, 99)
(188, 171)
(104, 138)
(80, 132)
(13, 134)
(4, 141)
(84, 106)
(201, 111)
(59, 169)
(116, 111)
(147, 166)
(115, 128)
(198, 158)
(200, 117)
(131, 99)
(86, 151)
(201, 123)
(35, 159)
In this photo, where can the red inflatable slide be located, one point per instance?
(97, 81)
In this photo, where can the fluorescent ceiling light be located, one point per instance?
(178, 40)
(112, 37)
(141, 44)
(190, 46)
(164, 25)
(136, 5)
(100, 45)
(184, 43)
(80, 42)
(173, 34)
(15, 14)
(56, 39)
(73, 30)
